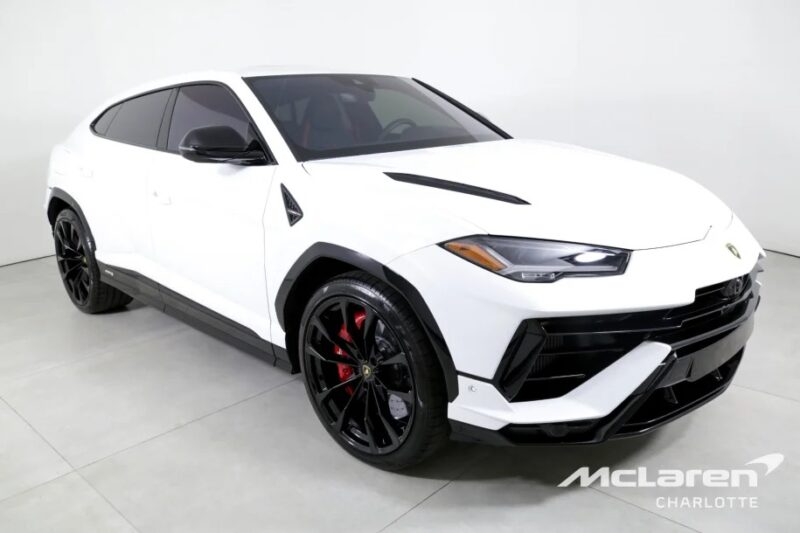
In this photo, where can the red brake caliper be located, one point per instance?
(346, 371)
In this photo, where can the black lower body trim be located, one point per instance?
(154, 294)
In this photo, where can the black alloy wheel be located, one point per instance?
(72, 261)
(360, 375)
(370, 373)
(79, 270)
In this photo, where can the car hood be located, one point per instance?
(574, 194)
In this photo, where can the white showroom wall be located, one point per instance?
(707, 88)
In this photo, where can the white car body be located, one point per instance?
(218, 236)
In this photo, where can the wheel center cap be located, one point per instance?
(366, 370)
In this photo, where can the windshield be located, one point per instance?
(332, 115)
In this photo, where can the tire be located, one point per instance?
(398, 385)
(78, 268)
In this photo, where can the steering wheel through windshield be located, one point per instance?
(395, 124)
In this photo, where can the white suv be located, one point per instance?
(428, 274)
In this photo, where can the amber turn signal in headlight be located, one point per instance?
(475, 253)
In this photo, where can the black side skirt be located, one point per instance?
(151, 293)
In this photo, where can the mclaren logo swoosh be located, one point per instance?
(771, 461)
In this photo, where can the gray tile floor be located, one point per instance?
(133, 421)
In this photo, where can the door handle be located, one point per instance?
(163, 199)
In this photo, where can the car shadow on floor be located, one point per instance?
(543, 465)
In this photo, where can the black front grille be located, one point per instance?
(570, 350)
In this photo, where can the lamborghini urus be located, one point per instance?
(429, 275)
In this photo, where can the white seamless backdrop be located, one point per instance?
(709, 88)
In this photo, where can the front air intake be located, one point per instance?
(572, 350)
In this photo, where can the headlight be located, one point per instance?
(538, 261)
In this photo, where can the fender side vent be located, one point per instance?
(293, 211)
(456, 187)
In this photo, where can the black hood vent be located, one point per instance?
(456, 187)
(293, 211)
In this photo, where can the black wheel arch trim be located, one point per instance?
(60, 194)
(324, 250)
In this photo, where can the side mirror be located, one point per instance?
(220, 144)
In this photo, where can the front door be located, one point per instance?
(206, 219)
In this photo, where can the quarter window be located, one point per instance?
(199, 106)
(104, 121)
(137, 120)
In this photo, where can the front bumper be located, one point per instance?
(481, 316)
(693, 360)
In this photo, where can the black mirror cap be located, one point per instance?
(220, 144)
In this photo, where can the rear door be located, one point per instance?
(206, 219)
(117, 175)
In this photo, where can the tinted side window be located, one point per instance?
(104, 121)
(206, 105)
(138, 119)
